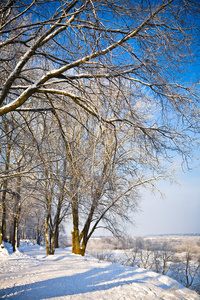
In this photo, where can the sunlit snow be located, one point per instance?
(30, 274)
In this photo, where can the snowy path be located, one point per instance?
(30, 274)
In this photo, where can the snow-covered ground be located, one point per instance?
(30, 274)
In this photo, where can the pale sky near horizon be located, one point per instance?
(177, 213)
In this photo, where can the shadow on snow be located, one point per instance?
(96, 279)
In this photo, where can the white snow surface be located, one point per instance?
(30, 274)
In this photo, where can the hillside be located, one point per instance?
(30, 274)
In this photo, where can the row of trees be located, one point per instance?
(93, 105)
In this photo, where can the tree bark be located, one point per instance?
(38, 237)
(15, 240)
(17, 211)
(56, 223)
(56, 236)
(76, 248)
(46, 235)
(5, 186)
(49, 237)
(3, 226)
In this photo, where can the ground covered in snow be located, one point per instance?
(30, 274)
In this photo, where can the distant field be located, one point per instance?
(175, 256)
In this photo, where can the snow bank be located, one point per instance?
(30, 274)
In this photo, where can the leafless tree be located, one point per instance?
(117, 74)
(187, 269)
(50, 175)
(142, 43)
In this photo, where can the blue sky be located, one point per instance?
(177, 212)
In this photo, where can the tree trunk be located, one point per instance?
(38, 240)
(56, 224)
(3, 226)
(59, 206)
(11, 233)
(79, 241)
(52, 242)
(84, 237)
(16, 213)
(5, 186)
(15, 239)
(18, 238)
(56, 236)
(46, 236)
(49, 237)
(76, 248)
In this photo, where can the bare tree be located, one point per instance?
(50, 176)
(144, 38)
(166, 255)
(81, 51)
(105, 172)
(117, 74)
(188, 267)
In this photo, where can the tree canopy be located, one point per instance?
(96, 96)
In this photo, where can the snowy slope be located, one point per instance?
(30, 274)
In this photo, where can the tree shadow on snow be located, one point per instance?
(96, 279)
